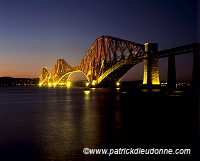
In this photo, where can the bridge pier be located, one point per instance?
(171, 77)
(151, 71)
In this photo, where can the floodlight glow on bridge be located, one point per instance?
(109, 58)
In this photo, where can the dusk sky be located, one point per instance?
(35, 33)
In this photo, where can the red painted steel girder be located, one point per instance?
(105, 52)
(61, 67)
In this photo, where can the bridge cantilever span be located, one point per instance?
(106, 61)
(44, 77)
(109, 58)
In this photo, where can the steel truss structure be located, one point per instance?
(191, 48)
(107, 60)
(44, 77)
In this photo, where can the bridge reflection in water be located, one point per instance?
(109, 58)
(43, 124)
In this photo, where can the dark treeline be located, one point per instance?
(9, 81)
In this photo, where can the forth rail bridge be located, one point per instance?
(109, 58)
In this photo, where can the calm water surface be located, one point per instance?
(55, 124)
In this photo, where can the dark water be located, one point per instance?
(55, 124)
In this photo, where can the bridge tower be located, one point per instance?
(151, 71)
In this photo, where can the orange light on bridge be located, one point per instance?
(68, 84)
(118, 83)
(94, 82)
(49, 84)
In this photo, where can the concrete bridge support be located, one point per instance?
(151, 71)
(171, 77)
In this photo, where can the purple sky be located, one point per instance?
(35, 33)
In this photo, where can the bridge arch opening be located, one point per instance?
(77, 78)
(135, 73)
(163, 69)
(184, 67)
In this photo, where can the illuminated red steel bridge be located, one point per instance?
(109, 58)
